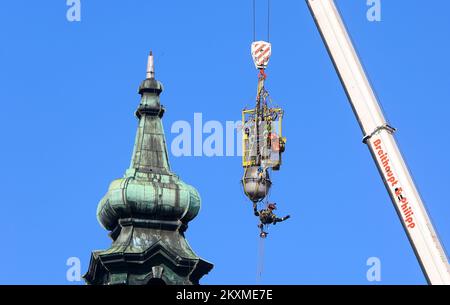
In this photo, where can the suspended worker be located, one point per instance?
(267, 216)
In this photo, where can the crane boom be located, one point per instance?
(378, 135)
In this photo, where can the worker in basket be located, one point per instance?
(274, 142)
(266, 217)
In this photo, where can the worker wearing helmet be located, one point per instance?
(267, 216)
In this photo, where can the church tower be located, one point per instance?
(148, 210)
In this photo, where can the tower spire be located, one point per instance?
(148, 210)
(150, 66)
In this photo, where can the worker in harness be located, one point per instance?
(266, 217)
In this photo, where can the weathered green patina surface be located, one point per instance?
(147, 212)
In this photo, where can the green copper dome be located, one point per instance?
(162, 197)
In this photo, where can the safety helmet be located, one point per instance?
(272, 206)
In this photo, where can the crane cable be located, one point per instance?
(268, 20)
(260, 263)
(254, 20)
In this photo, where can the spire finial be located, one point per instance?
(150, 66)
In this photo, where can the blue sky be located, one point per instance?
(68, 92)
